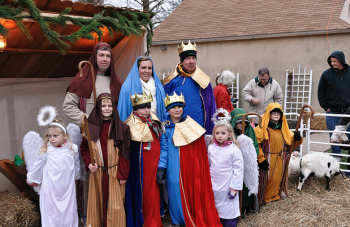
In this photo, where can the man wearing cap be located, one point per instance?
(187, 78)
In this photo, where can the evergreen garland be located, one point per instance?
(127, 22)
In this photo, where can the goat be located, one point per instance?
(320, 164)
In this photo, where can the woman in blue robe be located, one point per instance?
(134, 84)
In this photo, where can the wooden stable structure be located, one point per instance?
(33, 73)
(38, 58)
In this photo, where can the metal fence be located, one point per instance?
(309, 142)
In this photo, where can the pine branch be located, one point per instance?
(127, 22)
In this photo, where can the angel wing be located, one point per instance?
(74, 133)
(251, 173)
(31, 145)
(208, 140)
(32, 142)
(76, 137)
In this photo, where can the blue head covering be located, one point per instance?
(132, 85)
(174, 104)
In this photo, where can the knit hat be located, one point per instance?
(186, 54)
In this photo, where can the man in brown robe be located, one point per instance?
(79, 98)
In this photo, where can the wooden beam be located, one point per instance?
(9, 174)
(10, 170)
(46, 52)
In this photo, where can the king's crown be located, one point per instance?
(187, 47)
(138, 99)
(174, 98)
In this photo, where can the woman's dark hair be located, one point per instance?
(104, 48)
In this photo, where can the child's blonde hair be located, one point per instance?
(43, 149)
(230, 130)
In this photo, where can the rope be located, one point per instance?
(328, 24)
(104, 169)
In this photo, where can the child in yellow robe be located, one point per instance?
(273, 139)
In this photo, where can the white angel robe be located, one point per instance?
(226, 171)
(57, 171)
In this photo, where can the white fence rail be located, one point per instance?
(309, 142)
(235, 92)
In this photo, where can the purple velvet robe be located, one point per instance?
(200, 103)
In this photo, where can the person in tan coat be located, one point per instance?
(262, 91)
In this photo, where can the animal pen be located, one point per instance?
(309, 142)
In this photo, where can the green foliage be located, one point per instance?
(127, 22)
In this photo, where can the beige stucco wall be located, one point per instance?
(247, 56)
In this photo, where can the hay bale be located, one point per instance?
(319, 122)
(292, 124)
(313, 206)
(16, 211)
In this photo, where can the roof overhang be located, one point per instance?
(38, 58)
(258, 36)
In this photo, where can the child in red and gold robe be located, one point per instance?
(142, 190)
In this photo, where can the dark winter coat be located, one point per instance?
(334, 86)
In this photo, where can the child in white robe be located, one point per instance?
(55, 170)
(226, 170)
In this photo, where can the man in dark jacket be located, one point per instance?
(334, 90)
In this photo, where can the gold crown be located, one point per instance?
(138, 99)
(174, 98)
(187, 47)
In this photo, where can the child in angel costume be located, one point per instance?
(274, 137)
(229, 166)
(142, 196)
(110, 139)
(183, 164)
(53, 174)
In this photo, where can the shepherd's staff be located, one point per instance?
(92, 76)
(243, 131)
(292, 145)
(86, 134)
(84, 123)
(243, 120)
